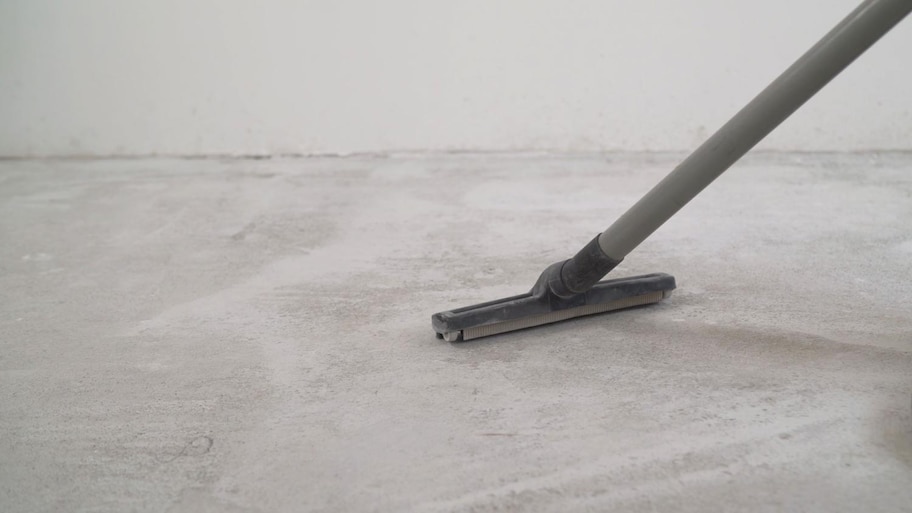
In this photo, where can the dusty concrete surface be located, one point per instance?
(255, 336)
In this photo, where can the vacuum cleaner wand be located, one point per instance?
(572, 288)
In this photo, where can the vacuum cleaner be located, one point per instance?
(572, 288)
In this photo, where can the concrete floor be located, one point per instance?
(254, 335)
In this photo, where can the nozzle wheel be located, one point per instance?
(452, 336)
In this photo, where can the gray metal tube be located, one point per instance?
(842, 45)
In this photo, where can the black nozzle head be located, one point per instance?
(543, 306)
(564, 290)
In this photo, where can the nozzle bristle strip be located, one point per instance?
(563, 315)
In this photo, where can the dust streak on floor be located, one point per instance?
(254, 335)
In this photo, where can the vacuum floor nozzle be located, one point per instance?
(542, 306)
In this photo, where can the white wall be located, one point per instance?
(102, 77)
